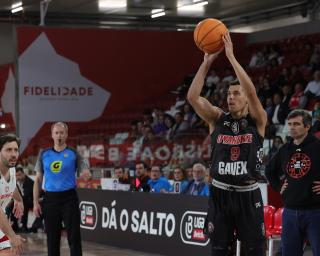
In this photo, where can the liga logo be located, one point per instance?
(191, 228)
(56, 166)
(89, 215)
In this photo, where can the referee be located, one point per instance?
(58, 166)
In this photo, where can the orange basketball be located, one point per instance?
(208, 35)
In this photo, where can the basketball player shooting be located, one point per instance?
(235, 204)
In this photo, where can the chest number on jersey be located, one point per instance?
(56, 166)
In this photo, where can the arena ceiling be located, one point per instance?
(137, 13)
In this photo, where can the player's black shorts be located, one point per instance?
(233, 213)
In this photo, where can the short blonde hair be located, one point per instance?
(62, 124)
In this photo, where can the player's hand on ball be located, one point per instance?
(209, 58)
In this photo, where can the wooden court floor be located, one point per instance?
(36, 246)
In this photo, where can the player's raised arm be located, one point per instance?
(256, 109)
(202, 106)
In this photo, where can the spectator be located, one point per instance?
(158, 183)
(277, 142)
(188, 115)
(179, 175)
(120, 174)
(189, 175)
(295, 75)
(28, 168)
(179, 127)
(312, 90)
(269, 107)
(169, 122)
(257, 60)
(141, 180)
(85, 180)
(296, 97)
(213, 79)
(160, 127)
(286, 92)
(279, 111)
(197, 186)
(208, 178)
(134, 133)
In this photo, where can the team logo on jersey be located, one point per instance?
(235, 153)
(65, 155)
(299, 165)
(56, 166)
(243, 123)
(6, 189)
(235, 127)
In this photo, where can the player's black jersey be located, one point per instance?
(236, 150)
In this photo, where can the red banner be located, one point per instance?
(162, 153)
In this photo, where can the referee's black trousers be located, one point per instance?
(58, 207)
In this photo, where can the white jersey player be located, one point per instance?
(9, 153)
(7, 189)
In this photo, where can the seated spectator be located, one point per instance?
(160, 127)
(286, 96)
(179, 127)
(120, 174)
(179, 175)
(28, 168)
(188, 115)
(189, 175)
(198, 186)
(312, 90)
(158, 183)
(269, 107)
(147, 117)
(134, 133)
(257, 60)
(208, 178)
(85, 180)
(141, 181)
(296, 96)
(279, 111)
(316, 112)
(169, 122)
(296, 75)
(213, 79)
(277, 142)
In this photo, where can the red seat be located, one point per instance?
(275, 232)
(277, 227)
(269, 211)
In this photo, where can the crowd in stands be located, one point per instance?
(286, 74)
(195, 180)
